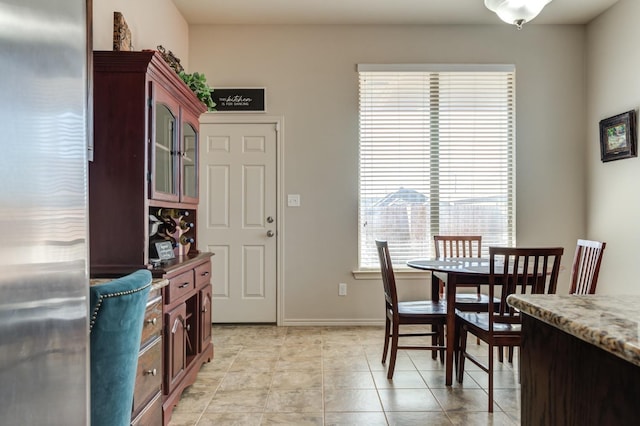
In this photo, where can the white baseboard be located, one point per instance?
(301, 322)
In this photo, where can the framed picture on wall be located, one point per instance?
(618, 137)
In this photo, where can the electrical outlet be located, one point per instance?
(342, 289)
(293, 200)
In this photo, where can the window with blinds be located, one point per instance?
(437, 156)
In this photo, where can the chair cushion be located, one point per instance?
(472, 302)
(116, 318)
(421, 307)
(481, 320)
(475, 298)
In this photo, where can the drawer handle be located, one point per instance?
(152, 372)
(184, 285)
(204, 274)
(152, 321)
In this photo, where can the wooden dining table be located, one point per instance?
(450, 271)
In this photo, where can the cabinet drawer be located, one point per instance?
(148, 375)
(179, 286)
(203, 274)
(152, 326)
(151, 415)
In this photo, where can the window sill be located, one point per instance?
(405, 274)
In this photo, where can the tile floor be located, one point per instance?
(268, 375)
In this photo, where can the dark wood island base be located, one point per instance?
(567, 381)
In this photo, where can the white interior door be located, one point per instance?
(237, 219)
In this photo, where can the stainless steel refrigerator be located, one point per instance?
(44, 377)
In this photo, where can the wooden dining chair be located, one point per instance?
(463, 246)
(584, 273)
(424, 312)
(586, 266)
(511, 270)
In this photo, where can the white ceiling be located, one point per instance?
(374, 11)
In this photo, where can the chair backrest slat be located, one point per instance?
(586, 266)
(457, 245)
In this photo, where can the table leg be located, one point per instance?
(449, 281)
(450, 289)
(435, 286)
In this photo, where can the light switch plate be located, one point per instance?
(293, 200)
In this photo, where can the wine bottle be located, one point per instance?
(184, 225)
(163, 238)
(167, 227)
(164, 213)
(185, 239)
(176, 213)
(174, 243)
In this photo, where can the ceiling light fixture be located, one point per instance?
(516, 12)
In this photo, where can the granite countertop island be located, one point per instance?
(579, 359)
(610, 322)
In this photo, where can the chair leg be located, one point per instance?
(500, 353)
(387, 330)
(435, 328)
(490, 372)
(462, 353)
(478, 294)
(456, 348)
(394, 350)
(510, 354)
(442, 343)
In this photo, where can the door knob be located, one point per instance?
(270, 219)
(270, 233)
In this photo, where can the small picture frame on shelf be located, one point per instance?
(618, 137)
(165, 250)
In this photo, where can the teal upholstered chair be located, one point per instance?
(116, 318)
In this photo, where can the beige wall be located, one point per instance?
(311, 80)
(309, 73)
(152, 23)
(613, 200)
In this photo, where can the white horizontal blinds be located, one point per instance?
(436, 157)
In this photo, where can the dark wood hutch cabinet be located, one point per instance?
(146, 162)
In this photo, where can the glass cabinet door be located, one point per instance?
(164, 171)
(164, 179)
(174, 150)
(189, 163)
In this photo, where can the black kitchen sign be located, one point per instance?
(233, 100)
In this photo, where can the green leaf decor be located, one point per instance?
(197, 82)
